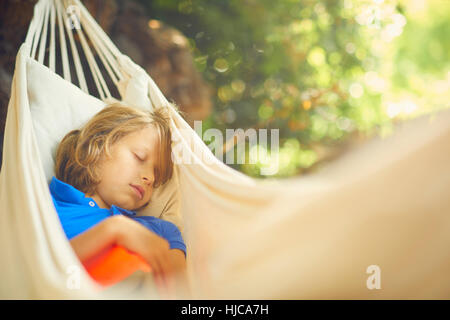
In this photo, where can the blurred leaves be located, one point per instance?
(318, 71)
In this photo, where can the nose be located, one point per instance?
(148, 179)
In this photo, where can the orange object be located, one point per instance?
(114, 265)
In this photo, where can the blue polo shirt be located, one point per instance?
(78, 213)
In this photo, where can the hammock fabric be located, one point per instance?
(386, 203)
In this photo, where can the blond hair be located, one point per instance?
(80, 151)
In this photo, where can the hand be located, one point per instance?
(154, 249)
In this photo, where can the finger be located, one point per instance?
(156, 271)
(171, 276)
(168, 274)
(160, 276)
(164, 274)
(162, 291)
(159, 285)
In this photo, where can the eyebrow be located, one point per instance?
(146, 148)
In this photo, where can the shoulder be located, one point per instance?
(164, 225)
(169, 226)
(166, 228)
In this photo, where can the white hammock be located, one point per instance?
(384, 204)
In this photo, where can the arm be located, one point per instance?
(178, 259)
(134, 237)
(95, 239)
(127, 233)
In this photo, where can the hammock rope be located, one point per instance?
(52, 15)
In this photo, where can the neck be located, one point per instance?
(98, 200)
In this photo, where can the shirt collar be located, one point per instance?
(64, 192)
(118, 210)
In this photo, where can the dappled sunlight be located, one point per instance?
(325, 74)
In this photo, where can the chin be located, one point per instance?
(130, 207)
(123, 205)
(140, 207)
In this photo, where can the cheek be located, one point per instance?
(119, 167)
(114, 175)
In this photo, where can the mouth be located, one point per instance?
(139, 191)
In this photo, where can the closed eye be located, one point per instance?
(138, 157)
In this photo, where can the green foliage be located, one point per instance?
(315, 70)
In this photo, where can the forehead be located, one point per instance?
(146, 138)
